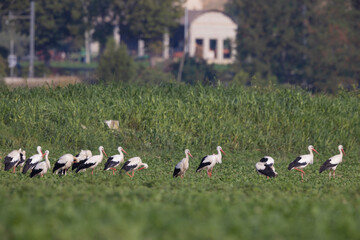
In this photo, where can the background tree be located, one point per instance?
(147, 19)
(55, 21)
(309, 42)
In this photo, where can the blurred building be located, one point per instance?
(205, 4)
(211, 33)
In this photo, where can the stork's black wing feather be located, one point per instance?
(57, 166)
(296, 163)
(203, 164)
(34, 172)
(176, 172)
(8, 163)
(326, 165)
(84, 166)
(268, 171)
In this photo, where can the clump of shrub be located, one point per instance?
(196, 71)
(255, 80)
(115, 64)
(148, 75)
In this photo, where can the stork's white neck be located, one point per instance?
(341, 153)
(219, 156)
(186, 157)
(39, 150)
(47, 161)
(121, 154)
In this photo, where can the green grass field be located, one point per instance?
(157, 123)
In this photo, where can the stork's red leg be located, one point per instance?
(92, 172)
(14, 170)
(299, 170)
(128, 174)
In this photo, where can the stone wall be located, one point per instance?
(38, 82)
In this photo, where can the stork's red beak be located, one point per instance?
(43, 154)
(104, 153)
(222, 151)
(124, 151)
(343, 151)
(315, 150)
(190, 155)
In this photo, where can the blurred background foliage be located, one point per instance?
(308, 43)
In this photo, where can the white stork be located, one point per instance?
(115, 160)
(81, 158)
(41, 167)
(93, 161)
(22, 159)
(333, 162)
(266, 167)
(63, 164)
(183, 165)
(33, 160)
(302, 161)
(13, 158)
(133, 164)
(209, 161)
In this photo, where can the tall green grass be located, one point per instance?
(178, 116)
(157, 123)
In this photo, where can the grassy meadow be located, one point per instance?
(157, 123)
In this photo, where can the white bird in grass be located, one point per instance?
(81, 158)
(133, 164)
(183, 165)
(63, 164)
(302, 161)
(333, 162)
(13, 158)
(209, 161)
(22, 159)
(115, 160)
(266, 167)
(93, 161)
(41, 167)
(33, 160)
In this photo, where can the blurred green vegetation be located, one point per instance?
(157, 123)
(115, 65)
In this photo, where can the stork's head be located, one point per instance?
(269, 161)
(341, 148)
(220, 149)
(311, 148)
(187, 151)
(101, 149)
(46, 153)
(120, 149)
(38, 149)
